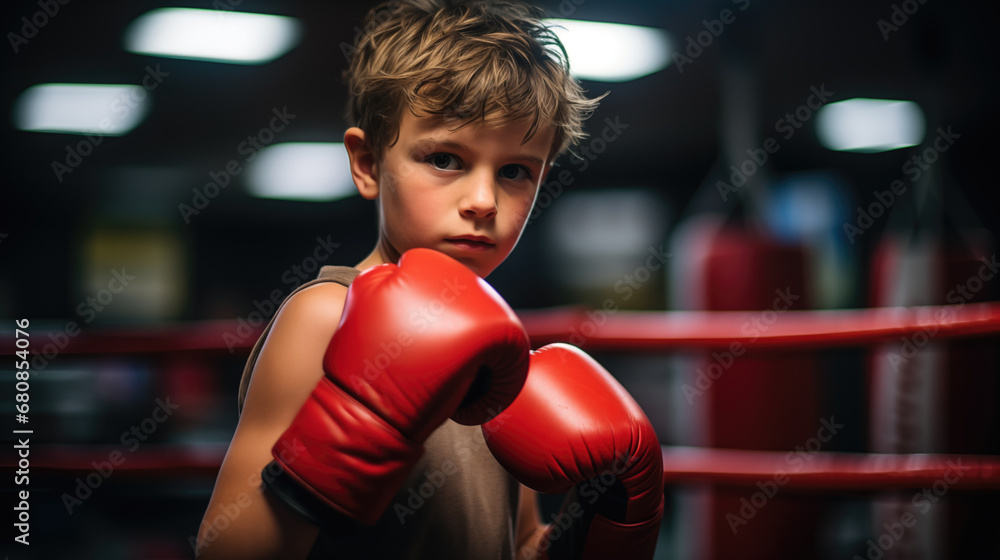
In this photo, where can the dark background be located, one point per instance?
(944, 58)
(684, 129)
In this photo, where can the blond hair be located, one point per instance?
(478, 61)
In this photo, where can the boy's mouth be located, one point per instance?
(472, 242)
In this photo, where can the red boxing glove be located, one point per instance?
(418, 343)
(575, 427)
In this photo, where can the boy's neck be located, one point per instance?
(383, 253)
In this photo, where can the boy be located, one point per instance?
(460, 110)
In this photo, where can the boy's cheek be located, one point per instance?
(522, 211)
(398, 173)
(529, 204)
(406, 169)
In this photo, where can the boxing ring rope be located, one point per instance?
(828, 471)
(618, 331)
(824, 471)
(654, 331)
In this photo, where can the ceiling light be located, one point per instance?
(612, 52)
(105, 109)
(870, 125)
(301, 171)
(213, 35)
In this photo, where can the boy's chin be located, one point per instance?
(481, 270)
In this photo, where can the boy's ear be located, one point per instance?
(363, 168)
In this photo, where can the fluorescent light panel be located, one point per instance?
(213, 35)
(870, 125)
(301, 171)
(612, 52)
(107, 109)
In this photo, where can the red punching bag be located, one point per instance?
(765, 400)
(930, 396)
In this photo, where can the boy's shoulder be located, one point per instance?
(283, 363)
(319, 297)
(318, 303)
(314, 307)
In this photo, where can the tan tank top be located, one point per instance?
(458, 502)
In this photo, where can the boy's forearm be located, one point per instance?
(527, 547)
(252, 540)
(244, 522)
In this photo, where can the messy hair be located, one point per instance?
(485, 61)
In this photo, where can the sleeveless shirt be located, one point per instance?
(458, 502)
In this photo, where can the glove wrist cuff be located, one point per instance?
(303, 502)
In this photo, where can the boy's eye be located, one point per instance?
(443, 161)
(515, 172)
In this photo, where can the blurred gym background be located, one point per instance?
(170, 174)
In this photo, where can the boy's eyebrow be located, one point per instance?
(530, 159)
(426, 142)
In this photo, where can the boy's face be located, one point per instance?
(466, 193)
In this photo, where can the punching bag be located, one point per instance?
(764, 400)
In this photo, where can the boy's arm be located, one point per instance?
(529, 524)
(243, 521)
(417, 343)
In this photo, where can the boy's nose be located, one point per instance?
(479, 198)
